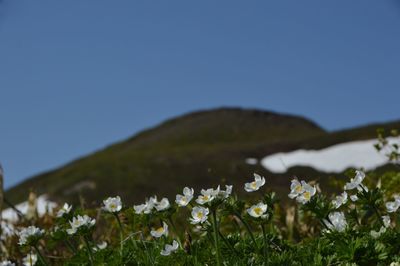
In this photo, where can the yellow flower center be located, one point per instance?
(205, 197)
(298, 188)
(199, 215)
(253, 184)
(160, 230)
(258, 210)
(113, 206)
(307, 195)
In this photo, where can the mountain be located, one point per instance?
(200, 149)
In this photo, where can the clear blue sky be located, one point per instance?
(76, 76)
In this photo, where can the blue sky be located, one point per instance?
(76, 76)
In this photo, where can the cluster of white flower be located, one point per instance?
(258, 210)
(392, 206)
(184, 200)
(301, 191)
(64, 210)
(7, 230)
(112, 204)
(199, 215)
(255, 185)
(386, 223)
(151, 204)
(80, 221)
(340, 200)
(356, 182)
(7, 263)
(168, 249)
(159, 232)
(28, 232)
(146, 207)
(336, 222)
(100, 246)
(30, 259)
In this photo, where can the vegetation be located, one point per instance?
(360, 226)
(201, 149)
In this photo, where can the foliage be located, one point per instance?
(258, 231)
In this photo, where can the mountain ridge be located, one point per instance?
(186, 150)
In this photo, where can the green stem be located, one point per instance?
(246, 225)
(227, 243)
(121, 234)
(70, 246)
(214, 215)
(40, 255)
(374, 207)
(89, 250)
(265, 243)
(175, 231)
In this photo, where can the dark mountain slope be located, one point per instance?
(199, 149)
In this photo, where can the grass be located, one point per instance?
(299, 234)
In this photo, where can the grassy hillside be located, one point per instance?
(199, 149)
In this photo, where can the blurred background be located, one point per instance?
(83, 79)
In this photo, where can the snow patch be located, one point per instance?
(252, 161)
(333, 159)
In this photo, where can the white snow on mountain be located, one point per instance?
(333, 159)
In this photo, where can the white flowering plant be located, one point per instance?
(356, 225)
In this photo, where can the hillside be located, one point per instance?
(199, 149)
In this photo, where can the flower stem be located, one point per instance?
(246, 225)
(265, 243)
(175, 230)
(121, 234)
(229, 245)
(215, 224)
(40, 255)
(89, 250)
(70, 246)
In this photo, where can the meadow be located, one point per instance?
(358, 226)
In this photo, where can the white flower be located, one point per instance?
(258, 210)
(112, 204)
(392, 206)
(255, 185)
(354, 198)
(340, 200)
(337, 221)
(207, 195)
(375, 234)
(147, 207)
(161, 231)
(386, 220)
(100, 246)
(356, 181)
(139, 209)
(225, 193)
(162, 205)
(168, 249)
(7, 230)
(6, 263)
(64, 210)
(29, 260)
(80, 221)
(199, 215)
(183, 200)
(295, 189)
(307, 194)
(26, 233)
